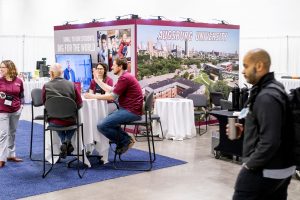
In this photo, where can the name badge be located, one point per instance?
(8, 100)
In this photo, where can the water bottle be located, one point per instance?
(235, 98)
(244, 96)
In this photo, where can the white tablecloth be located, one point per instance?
(90, 114)
(290, 83)
(29, 85)
(177, 118)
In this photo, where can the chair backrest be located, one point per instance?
(149, 102)
(199, 100)
(215, 98)
(36, 96)
(61, 107)
(225, 104)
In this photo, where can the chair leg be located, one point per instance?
(158, 139)
(31, 143)
(150, 161)
(149, 145)
(162, 133)
(153, 147)
(206, 124)
(206, 120)
(78, 154)
(45, 173)
(135, 130)
(82, 152)
(31, 135)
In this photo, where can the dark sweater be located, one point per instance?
(266, 143)
(61, 87)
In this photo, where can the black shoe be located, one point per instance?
(70, 148)
(63, 150)
(123, 149)
(119, 149)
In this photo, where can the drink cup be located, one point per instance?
(232, 133)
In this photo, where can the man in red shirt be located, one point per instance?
(128, 93)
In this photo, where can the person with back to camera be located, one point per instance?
(267, 148)
(128, 92)
(59, 86)
(11, 100)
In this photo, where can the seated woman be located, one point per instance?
(100, 72)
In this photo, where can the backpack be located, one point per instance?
(293, 117)
(294, 101)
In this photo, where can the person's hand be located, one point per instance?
(95, 74)
(239, 129)
(89, 96)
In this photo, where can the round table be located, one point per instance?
(177, 118)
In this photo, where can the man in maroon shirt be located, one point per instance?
(59, 86)
(128, 92)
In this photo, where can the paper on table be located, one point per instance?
(236, 113)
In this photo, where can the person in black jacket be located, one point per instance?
(267, 151)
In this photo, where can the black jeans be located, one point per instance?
(251, 185)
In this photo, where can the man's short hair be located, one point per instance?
(56, 68)
(122, 62)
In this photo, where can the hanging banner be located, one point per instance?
(178, 51)
(103, 43)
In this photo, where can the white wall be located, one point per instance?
(264, 23)
(256, 17)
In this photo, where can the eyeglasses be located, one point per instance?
(100, 68)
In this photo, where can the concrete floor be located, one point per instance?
(203, 177)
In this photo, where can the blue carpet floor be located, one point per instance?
(24, 179)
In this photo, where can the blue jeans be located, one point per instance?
(110, 126)
(64, 135)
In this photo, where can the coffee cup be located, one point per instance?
(232, 133)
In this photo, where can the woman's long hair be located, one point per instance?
(12, 71)
(105, 70)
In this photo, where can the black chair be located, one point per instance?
(37, 101)
(137, 131)
(156, 117)
(200, 103)
(225, 104)
(61, 107)
(145, 121)
(215, 100)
